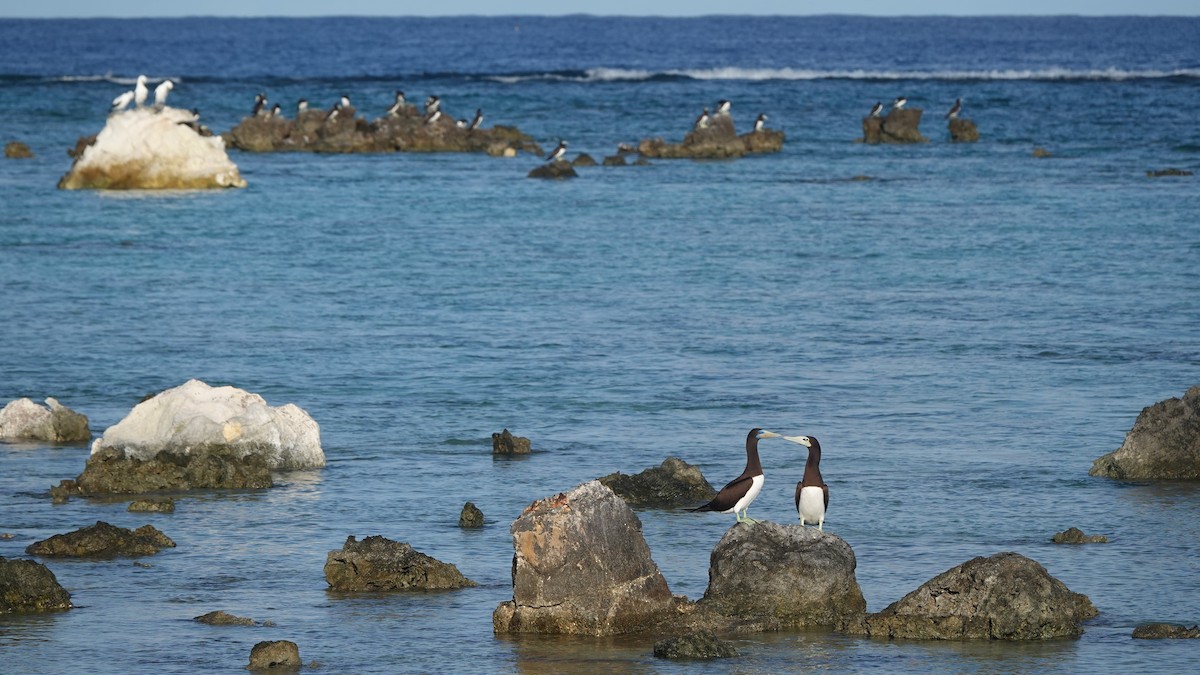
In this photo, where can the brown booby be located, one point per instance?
(812, 494)
(736, 497)
(557, 153)
(957, 108)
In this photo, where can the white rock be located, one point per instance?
(23, 418)
(146, 148)
(195, 415)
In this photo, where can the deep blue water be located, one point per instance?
(965, 332)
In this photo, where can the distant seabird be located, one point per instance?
(558, 152)
(301, 106)
(277, 110)
(397, 105)
(899, 103)
(432, 104)
(812, 494)
(331, 115)
(477, 121)
(140, 92)
(344, 102)
(701, 121)
(736, 497)
(877, 110)
(260, 102)
(723, 107)
(433, 117)
(160, 93)
(121, 102)
(953, 114)
(461, 123)
(758, 123)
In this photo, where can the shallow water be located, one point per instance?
(965, 332)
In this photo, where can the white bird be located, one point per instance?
(558, 152)
(877, 110)
(331, 115)
(701, 121)
(344, 102)
(432, 105)
(160, 93)
(121, 102)
(433, 117)
(397, 105)
(277, 110)
(723, 107)
(140, 92)
(899, 103)
(812, 494)
(301, 106)
(758, 123)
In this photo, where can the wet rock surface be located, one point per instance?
(102, 540)
(1074, 535)
(274, 654)
(220, 618)
(1002, 597)
(152, 506)
(30, 586)
(674, 483)
(504, 443)
(1162, 173)
(554, 170)
(380, 564)
(470, 516)
(17, 150)
(898, 126)
(698, 645)
(963, 131)
(1165, 631)
(56, 423)
(1164, 443)
(110, 471)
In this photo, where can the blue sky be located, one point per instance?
(136, 8)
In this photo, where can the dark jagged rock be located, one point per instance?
(583, 159)
(899, 126)
(1003, 597)
(504, 443)
(29, 586)
(1167, 172)
(380, 564)
(407, 131)
(698, 645)
(673, 483)
(557, 170)
(219, 618)
(1164, 443)
(17, 150)
(102, 540)
(109, 471)
(1161, 631)
(274, 654)
(24, 419)
(581, 566)
(1074, 535)
(615, 160)
(470, 516)
(152, 506)
(718, 140)
(783, 576)
(963, 131)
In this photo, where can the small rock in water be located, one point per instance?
(1160, 631)
(1164, 443)
(17, 150)
(1167, 172)
(380, 564)
(1039, 151)
(102, 539)
(275, 654)
(671, 484)
(699, 645)
(615, 160)
(153, 506)
(583, 159)
(504, 443)
(470, 516)
(219, 618)
(54, 422)
(30, 586)
(1074, 535)
(555, 170)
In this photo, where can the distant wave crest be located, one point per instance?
(734, 73)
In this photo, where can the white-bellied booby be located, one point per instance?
(160, 93)
(140, 92)
(260, 103)
(877, 110)
(477, 121)
(557, 153)
(276, 110)
(723, 107)
(301, 106)
(432, 104)
(957, 108)
(397, 105)
(812, 494)
(736, 497)
(433, 117)
(701, 121)
(760, 121)
(899, 102)
(344, 101)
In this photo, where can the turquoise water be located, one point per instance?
(965, 332)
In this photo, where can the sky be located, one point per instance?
(148, 8)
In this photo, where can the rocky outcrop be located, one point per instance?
(718, 140)
(29, 586)
(698, 645)
(1164, 443)
(581, 566)
(1074, 535)
(102, 540)
(556, 170)
(1162, 631)
(220, 618)
(783, 576)
(17, 150)
(1003, 597)
(112, 471)
(148, 149)
(152, 506)
(615, 160)
(899, 126)
(963, 131)
(24, 419)
(313, 131)
(470, 516)
(272, 654)
(672, 484)
(1160, 173)
(380, 564)
(504, 443)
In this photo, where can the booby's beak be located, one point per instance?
(768, 434)
(802, 440)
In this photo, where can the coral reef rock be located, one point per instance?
(470, 516)
(1164, 443)
(674, 483)
(102, 540)
(504, 443)
(380, 564)
(784, 576)
(698, 645)
(963, 131)
(1003, 597)
(1074, 535)
(29, 586)
(1161, 631)
(152, 506)
(899, 126)
(145, 148)
(581, 566)
(718, 140)
(273, 654)
(24, 419)
(17, 150)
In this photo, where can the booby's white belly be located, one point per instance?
(812, 504)
(756, 484)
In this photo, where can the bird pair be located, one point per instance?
(812, 494)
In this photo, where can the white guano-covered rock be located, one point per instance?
(145, 148)
(195, 416)
(24, 419)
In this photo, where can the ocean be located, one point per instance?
(965, 327)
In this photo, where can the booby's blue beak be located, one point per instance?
(767, 434)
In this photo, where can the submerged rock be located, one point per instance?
(380, 564)
(1164, 443)
(1041, 153)
(24, 419)
(504, 443)
(17, 150)
(698, 645)
(470, 516)
(615, 160)
(581, 566)
(673, 483)
(152, 506)
(1167, 172)
(145, 148)
(102, 539)
(1003, 597)
(220, 618)
(899, 126)
(274, 654)
(963, 131)
(30, 586)
(783, 576)
(1161, 631)
(555, 170)
(1074, 535)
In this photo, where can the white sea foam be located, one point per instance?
(753, 74)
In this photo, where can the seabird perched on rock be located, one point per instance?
(397, 105)
(160, 93)
(344, 101)
(260, 102)
(277, 110)
(723, 107)
(558, 152)
(758, 123)
(899, 102)
(812, 494)
(736, 497)
(433, 117)
(140, 92)
(122, 102)
(432, 104)
(461, 123)
(194, 124)
(477, 121)
(331, 115)
(701, 121)
(301, 106)
(877, 110)
(957, 108)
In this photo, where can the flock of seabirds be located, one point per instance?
(433, 112)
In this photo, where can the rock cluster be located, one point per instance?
(1074, 535)
(718, 140)
(29, 586)
(380, 564)
(1164, 443)
(674, 483)
(504, 443)
(24, 419)
(102, 540)
(152, 506)
(698, 645)
(1161, 631)
(899, 126)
